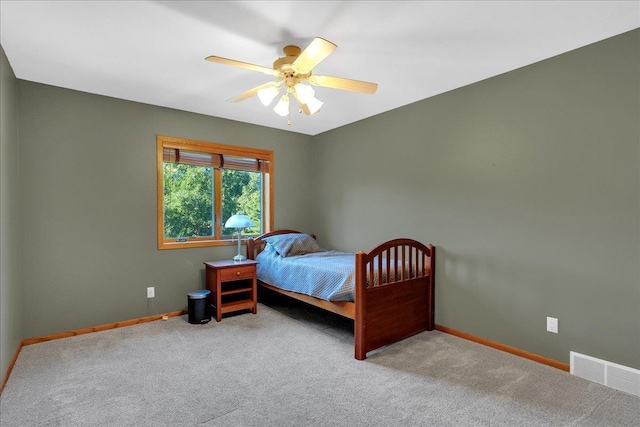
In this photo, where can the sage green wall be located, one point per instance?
(88, 188)
(10, 283)
(527, 183)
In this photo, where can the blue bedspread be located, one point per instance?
(329, 275)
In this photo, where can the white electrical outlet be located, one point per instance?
(552, 325)
(151, 292)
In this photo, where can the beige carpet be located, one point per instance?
(292, 366)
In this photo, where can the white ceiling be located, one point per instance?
(153, 51)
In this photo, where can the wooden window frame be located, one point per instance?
(163, 142)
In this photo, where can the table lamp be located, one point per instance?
(240, 222)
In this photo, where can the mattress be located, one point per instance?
(329, 275)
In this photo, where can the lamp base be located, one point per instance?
(239, 258)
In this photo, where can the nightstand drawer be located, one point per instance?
(237, 273)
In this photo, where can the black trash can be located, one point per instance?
(197, 304)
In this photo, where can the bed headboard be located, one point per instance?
(255, 245)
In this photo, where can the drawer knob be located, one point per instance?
(237, 273)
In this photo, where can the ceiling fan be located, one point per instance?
(291, 71)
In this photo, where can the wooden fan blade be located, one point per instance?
(313, 54)
(246, 65)
(344, 84)
(303, 107)
(251, 92)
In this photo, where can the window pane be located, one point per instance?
(242, 193)
(188, 201)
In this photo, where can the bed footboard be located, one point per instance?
(394, 295)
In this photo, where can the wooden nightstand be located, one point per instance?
(233, 286)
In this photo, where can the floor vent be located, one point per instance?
(606, 373)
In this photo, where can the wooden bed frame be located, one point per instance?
(392, 309)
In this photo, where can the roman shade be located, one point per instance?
(215, 160)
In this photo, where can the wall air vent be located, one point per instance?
(607, 373)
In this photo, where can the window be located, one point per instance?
(201, 184)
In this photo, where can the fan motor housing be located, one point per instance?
(284, 64)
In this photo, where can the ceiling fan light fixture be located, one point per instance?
(267, 95)
(314, 105)
(305, 93)
(282, 107)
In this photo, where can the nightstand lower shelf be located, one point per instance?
(229, 307)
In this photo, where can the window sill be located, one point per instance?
(172, 244)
